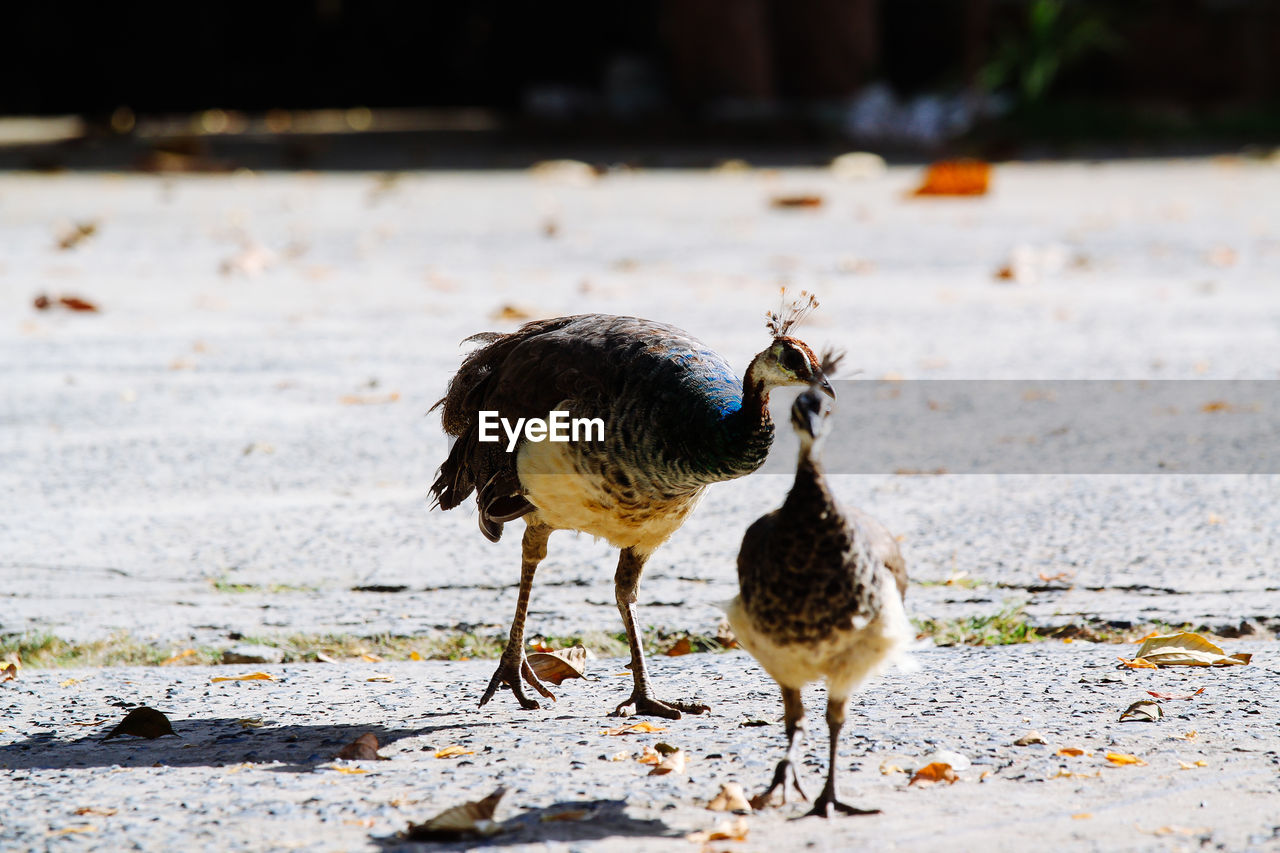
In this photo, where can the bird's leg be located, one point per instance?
(793, 716)
(513, 664)
(827, 801)
(625, 581)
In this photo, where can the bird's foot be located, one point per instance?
(826, 805)
(644, 705)
(784, 774)
(509, 673)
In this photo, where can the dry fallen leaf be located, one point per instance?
(380, 676)
(252, 676)
(9, 673)
(76, 234)
(1062, 577)
(725, 831)
(1071, 751)
(623, 755)
(250, 723)
(363, 748)
(68, 682)
(956, 177)
(97, 811)
(1191, 735)
(1173, 696)
(1081, 816)
(1029, 738)
(730, 799)
(1142, 711)
(1187, 649)
(453, 751)
(71, 303)
(1123, 758)
(460, 822)
(672, 761)
(935, 772)
(682, 646)
(556, 666)
(174, 658)
(796, 201)
(1187, 765)
(369, 400)
(350, 771)
(74, 830)
(142, 722)
(415, 656)
(1137, 663)
(512, 313)
(371, 658)
(633, 728)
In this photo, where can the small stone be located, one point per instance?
(253, 654)
(1029, 738)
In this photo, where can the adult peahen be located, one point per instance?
(676, 419)
(821, 596)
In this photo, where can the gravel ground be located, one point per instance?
(247, 410)
(225, 784)
(237, 440)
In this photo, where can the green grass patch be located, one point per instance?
(1005, 627)
(45, 651)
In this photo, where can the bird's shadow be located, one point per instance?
(565, 822)
(213, 742)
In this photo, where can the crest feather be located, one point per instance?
(791, 313)
(831, 359)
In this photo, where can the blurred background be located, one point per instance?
(400, 84)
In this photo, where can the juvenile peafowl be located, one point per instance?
(821, 592)
(676, 419)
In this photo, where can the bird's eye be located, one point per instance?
(794, 360)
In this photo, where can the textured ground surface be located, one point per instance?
(239, 438)
(228, 784)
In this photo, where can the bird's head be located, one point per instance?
(810, 410)
(788, 360)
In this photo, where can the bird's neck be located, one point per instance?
(809, 495)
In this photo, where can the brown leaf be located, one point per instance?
(97, 811)
(174, 658)
(1137, 663)
(796, 201)
(672, 761)
(1029, 738)
(453, 751)
(143, 722)
(1071, 751)
(460, 822)
(9, 673)
(935, 772)
(956, 177)
(1123, 758)
(513, 313)
(682, 646)
(1186, 648)
(251, 676)
(633, 728)
(76, 234)
(558, 665)
(75, 303)
(1142, 711)
(730, 799)
(369, 400)
(735, 830)
(363, 748)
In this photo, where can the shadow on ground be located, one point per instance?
(207, 743)
(565, 822)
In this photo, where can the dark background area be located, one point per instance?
(1140, 71)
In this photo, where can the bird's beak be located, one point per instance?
(823, 384)
(812, 421)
